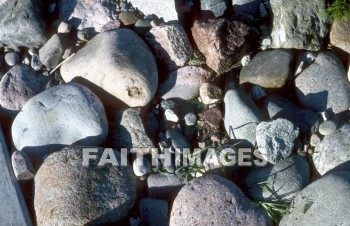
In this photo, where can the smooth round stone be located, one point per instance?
(171, 116)
(315, 140)
(327, 127)
(11, 58)
(190, 119)
(141, 166)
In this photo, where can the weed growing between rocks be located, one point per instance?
(339, 9)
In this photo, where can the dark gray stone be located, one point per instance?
(154, 212)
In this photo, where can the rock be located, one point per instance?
(61, 115)
(87, 14)
(279, 107)
(250, 7)
(129, 131)
(19, 85)
(333, 150)
(246, 60)
(275, 139)
(210, 94)
(327, 127)
(268, 69)
(115, 24)
(154, 212)
(129, 17)
(221, 47)
(124, 77)
(184, 83)
(218, 196)
(287, 178)
(299, 26)
(141, 166)
(86, 34)
(339, 31)
(162, 186)
(11, 58)
(167, 104)
(313, 85)
(178, 141)
(35, 62)
(324, 202)
(315, 139)
(51, 53)
(22, 166)
(171, 45)
(241, 116)
(67, 191)
(64, 28)
(142, 26)
(258, 93)
(190, 119)
(22, 24)
(217, 7)
(212, 116)
(166, 10)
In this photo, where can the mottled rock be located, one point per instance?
(210, 194)
(268, 69)
(51, 53)
(22, 166)
(61, 115)
(223, 42)
(162, 186)
(299, 25)
(212, 116)
(209, 93)
(327, 127)
(119, 62)
(184, 83)
(323, 85)
(340, 31)
(154, 212)
(166, 10)
(68, 192)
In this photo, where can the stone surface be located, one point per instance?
(340, 30)
(142, 26)
(163, 186)
(286, 179)
(241, 116)
(324, 202)
(190, 119)
(141, 166)
(184, 83)
(22, 23)
(64, 28)
(209, 93)
(129, 131)
(327, 127)
(299, 25)
(275, 139)
(129, 18)
(212, 116)
(22, 166)
(51, 53)
(154, 212)
(268, 69)
(333, 150)
(323, 85)
(87, 14)
(11, 58)
(223, 42)
(250, 7)
(120, 63)
(61, 115)
(68, 192)
(166, 10)
(217, 7)
(170, 115)
(171, 45)
(214, 199)
(19, 85)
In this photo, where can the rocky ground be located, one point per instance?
(266, 80)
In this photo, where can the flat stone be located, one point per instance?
(166, 10)
(212, 116)
(51, 53)
(154, 212)
(22, 166)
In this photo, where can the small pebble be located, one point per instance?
(315, 140)
(26, 60)
(31, 51)
(246, 60)
(171, 116)
(167, 104)
(309, 56)
(64, 28)
(141, 166)
(22, 166)
(190, 119)
(35, 63)
(11, 58)
(327, 127)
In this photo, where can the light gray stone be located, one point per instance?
(141, 166)
(299, 25)
(327, 127)
(214, 199)
(166, 10)
(333, 150)
(51, 53)
(64, 28)
(217, 7)
(170, 115)
(11, 58)
(61, 115)
(22, 166)
(241, 116)
(190, 119)
(68, 192)
(154, 212)
(323, 85)
(324, 202)
(275, 139)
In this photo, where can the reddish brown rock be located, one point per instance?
(212, 116)
(223, 42)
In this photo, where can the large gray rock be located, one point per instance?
(268, 69)
(214, 199)
(19, 85)
(120, 63)
(340, 30)
(50, 54)
(323, 85)
(21, 23)
(154, 212)
(217, 7)
(66, 192)
(241, 116)
(275, 139)
(333, 150)
(286, 179)
(324, 202)
(129, 131)
(87, 14)
(184, 83)
(299, 25)
(62, 115)
(171, 45)
(166, 10)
